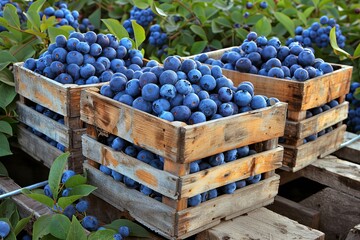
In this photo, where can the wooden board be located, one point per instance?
(177, 141)
(339, 212)
(295, 211)
(63, 99)
(351, 152)
(296, 158)
(260, 224)
(354, 233)
(338, 174)
(313, 125)
(299, 95)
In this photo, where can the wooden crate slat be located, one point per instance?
(195, 217)
(335, 173)
(209, 138)
(150, 212)
(214, 177)
(51, 128)
(315, 124)
(350, 152)
(261, 224)
(158, 180)
(296, 158)
(177, 141)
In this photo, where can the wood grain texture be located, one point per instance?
(295, 211)
(195, 217)
(350, 152)
(339, 212)
(51, 128)
(296, 158)
(153, 214)
(307, 127)
(300, 95)
(177, 141)
(338, 174)
(158, 180)
(203, 181)
(260, 224)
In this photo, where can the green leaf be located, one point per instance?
(76, 231)
(95, 18)
(7, 77)
(3, 170)
(334, 45)
(198, 47)
(357, 51)
(156, 10)
(200, 13)
(7, 95)
(75, 181)
(6, 59)
(56, 172)
(302, 17)
(106, 234)
(14, 219)
(140, 4)
(23, 51)
(4, 146)
(41, 227)
(21, 224)
(241, 33)
(215, 27)
(40, 198)
(7, 208)
(116, 28)
(223, 5)
(263, 27)
(308, 11)
(139, 33)
(33, 13)
(224, 22)
(315, 2)
(76, 193)
(11, 235)
(10, 14)
(199, 31)
(135, 229)
(286, 21)
(53, 32)
(59, 226)
(5, 127)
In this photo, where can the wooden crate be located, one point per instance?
(181, 144)
(301, 96)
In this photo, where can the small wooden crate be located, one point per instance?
(181, 144)
(302, 96)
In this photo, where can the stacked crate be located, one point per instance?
(303, 96)
(62, 99)
(181, 144)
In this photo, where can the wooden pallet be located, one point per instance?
(260, 224)
(301, 96)
(181, 144)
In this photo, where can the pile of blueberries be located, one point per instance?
(85, 58)
(119, 144)
(353, 122)
(63, 15)
(18, 10)
(318, 33)
(157, 37)
(258, 55)
(47, 112)
(143, 17)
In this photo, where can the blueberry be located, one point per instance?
(116, 176)
(121, 52)
(194, 167)
(30, 64)
(82, 206)
(73, 70)
(334, 103)
(69, 211)
(191, 100)
(118, 144)
(194, 75)
(90, 37)
(117, 236)
(306, 58)
(326, 68)
(324, 20)
(184, 86)
(243, 65)
(263, 5)
(130, 183)
(126, 43)
(243, 151)
(254, 179)
(95, 49)
(147, 77)
(47, 191)
(194, 201)
(74, 57)
(66, 192)
(87, 70)
(4, 229)
(104, 61)
(105, 169)
(240, 184)
(226, 109)
(268, 52)
(67, 175)
(103, 40)
(276, 72)
(59, 54)
(105, 90)
(168, 91)
(197, 117)
(89, 59)
(141, 104)
(124, 231)
(64, 78)
(208, 83)
(92, 80)
(242, 98)
(187, 65)
(117, 84)
(257, 102)
(133, 88)
(217, 159)
(228, 188)
(181, 113)
(167, 116)
(72, 44)
(60, 41)
(150, 92)
(208, 107)
(301, 74)
(90, 223)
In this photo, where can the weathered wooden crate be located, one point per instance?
(301, 96)
(181, 144)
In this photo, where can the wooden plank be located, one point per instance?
(296, 158)
(153, 214)
(354, 233)
(233, 132)
(51, 128)
(195, 217)
(203, 181)
(260, 224)
(158, 180)
(350, 152)
(295, 211)
(177, 141)
(286, 176)
(339, 212)
(315, 124)
(336, 173)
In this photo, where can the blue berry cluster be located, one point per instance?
(142, 16)
(119, 144)
(48, 113)
(86, 25)
(353, 121)
(122, 233)
(18, 10)
(157, 37)
(258, 55)
(250, 5)
(318, 33)
(84, 58)
(63, 15)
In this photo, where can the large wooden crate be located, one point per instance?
(180, 145)
(302, 96)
